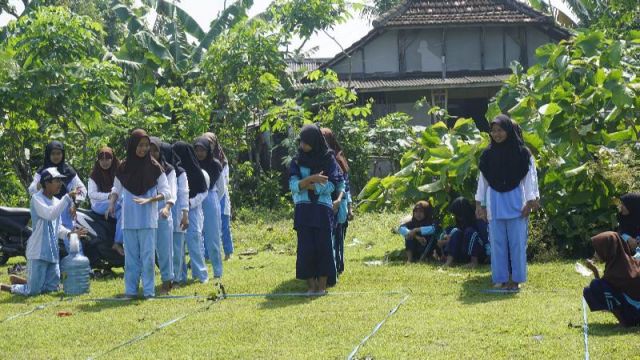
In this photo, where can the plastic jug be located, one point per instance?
(75, 269)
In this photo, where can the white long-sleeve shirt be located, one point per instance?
(529, 187)
(75, 183)
(198, 199)
(227, 199)
(47, 227)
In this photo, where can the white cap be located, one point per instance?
(50, 173)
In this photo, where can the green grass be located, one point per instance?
(446, 315)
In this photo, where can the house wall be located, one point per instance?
(423, 50)
(463, 49)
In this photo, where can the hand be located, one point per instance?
(442, 243)
(142, 201)
(111, 211)
(319, 178)
(481, 213)
(590, 264)
(72, 211)
(184, 223)
(421, 239)
(528, 207)
(82, 232)
(73, 193)
(336, 206)
(633, 244)
(350, 215)
(165, 212)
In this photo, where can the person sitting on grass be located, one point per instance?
(466, 241)
(418, 233)
(43, 270)
(618, 290)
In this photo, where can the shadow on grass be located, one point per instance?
(610, 329)
(473, 286)
(100, 305)
(287, 286)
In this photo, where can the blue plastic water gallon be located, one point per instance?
(75, 269)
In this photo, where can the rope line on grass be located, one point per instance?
(154, 330)
(377, 327)
(585, 329)
(39, 307)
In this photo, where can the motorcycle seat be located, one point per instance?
(9, 211)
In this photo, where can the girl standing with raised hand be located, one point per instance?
(225, 201)
(198, 184)
(211, 205)
(164, 236)
(313, 177)
(100, 185)
(506, 195)
(54, 156)
(141, 182)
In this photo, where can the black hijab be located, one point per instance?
(190, 164)
(168, 168)
(171, 158)
(320, 156)
(210, 164)
(464, 213)
(138, 174)
(63, 168)
(427, 220)
(630, 224)
(505, 164)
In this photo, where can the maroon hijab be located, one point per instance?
(104, 178)
(621, 270)
(137, 174)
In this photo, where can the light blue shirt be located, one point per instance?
(47, 227)
(134, 216)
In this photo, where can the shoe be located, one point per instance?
(14, 279)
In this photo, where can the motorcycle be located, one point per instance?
(96, 245)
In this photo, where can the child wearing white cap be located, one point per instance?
(43, 271)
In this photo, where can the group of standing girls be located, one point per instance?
(318, 180)
(165, 199)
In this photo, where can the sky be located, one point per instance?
(203, 11)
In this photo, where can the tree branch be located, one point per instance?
(344, 52)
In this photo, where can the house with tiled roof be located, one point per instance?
(453, 53)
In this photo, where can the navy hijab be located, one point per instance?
(63, 168)
(505, 164)
(171, 157)
(210, 164)
(189, 162)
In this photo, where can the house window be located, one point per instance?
(439, 98)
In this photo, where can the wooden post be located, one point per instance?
(402, 57)
(444, 53)
(504, 48)
(522, 37)
(482, 40)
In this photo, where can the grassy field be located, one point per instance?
(445, 316)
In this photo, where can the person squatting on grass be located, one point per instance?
(419, 232)
(197, 185)
(212, 225)
(55, 156)
(342, 204)
(164, 235)
(142, 183)
(313, 177)
(225, 200)
(618, 290)
(43, 268)
(467, 242)
(100, 185)
(507, 193)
